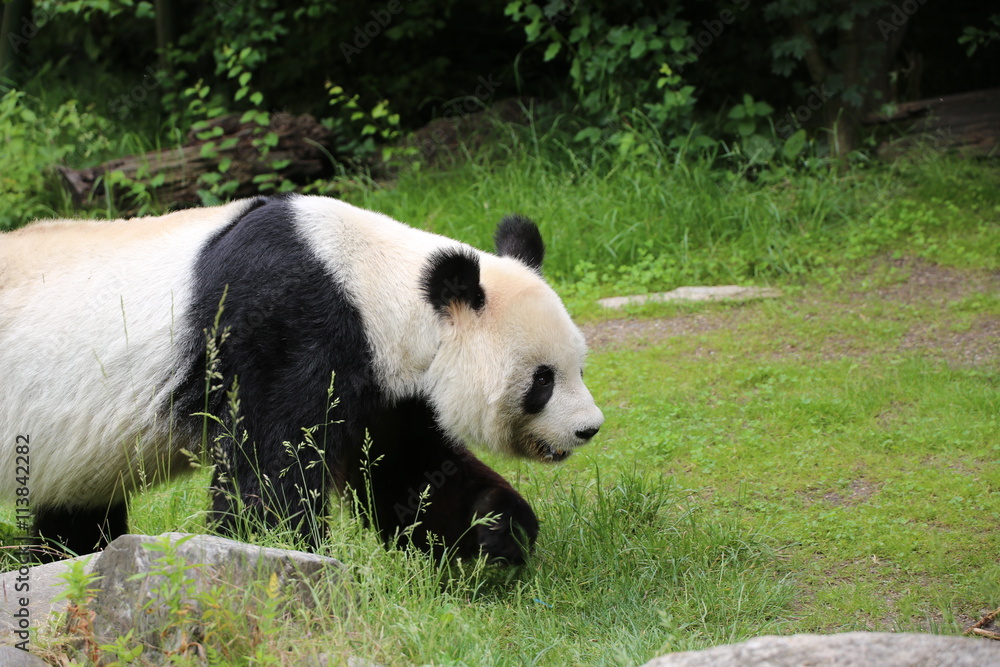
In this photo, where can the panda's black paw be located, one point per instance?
(505, 527)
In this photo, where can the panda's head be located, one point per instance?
(509, 370)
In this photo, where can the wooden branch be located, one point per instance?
(984, 621)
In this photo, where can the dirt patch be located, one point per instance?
(641, 333)
(861, 490)
(919, 282)
(979, 346)
(899, 285)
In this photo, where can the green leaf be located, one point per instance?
(677, 44)
(763, 109)
(575, 71)
(638, 48)
(625, 144)
(552, 51)
(736, 113)
(244, 78)
(794, 145)
(208, 150)
(592, 134)
(513, 9)
(257, 98)
(533, 30)
(747, 127)
(224, 164)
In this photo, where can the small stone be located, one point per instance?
(691, 294)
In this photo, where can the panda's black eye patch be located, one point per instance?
(543, 383)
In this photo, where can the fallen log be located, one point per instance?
(301, 153)
(966, 122)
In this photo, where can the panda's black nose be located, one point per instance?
(588, 433)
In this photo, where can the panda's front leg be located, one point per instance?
(495, 520)
(418, 489)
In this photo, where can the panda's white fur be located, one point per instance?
(92, 353)
(88, 312)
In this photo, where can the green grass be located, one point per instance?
(823, 462)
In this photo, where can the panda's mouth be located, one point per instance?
(549, 454)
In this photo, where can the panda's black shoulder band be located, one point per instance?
(518, 237)
(452, 276)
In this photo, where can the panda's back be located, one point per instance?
(102, 323)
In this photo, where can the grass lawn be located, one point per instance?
(822, 462)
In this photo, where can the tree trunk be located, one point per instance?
(866, 52)
(165, 30)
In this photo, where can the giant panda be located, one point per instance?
(129, 347)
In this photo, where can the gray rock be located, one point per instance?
(161, 600)
(39, 585)
(852, 649)
(12, 657)
(718, 293)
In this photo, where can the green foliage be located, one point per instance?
(34, 142)
(745, 119)
(79, 592)
(361, 134)
(976, 38)
(76, 19)
(616, 67)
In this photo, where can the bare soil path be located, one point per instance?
(890, 287)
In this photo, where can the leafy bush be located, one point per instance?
(33, 143)
(617, 65)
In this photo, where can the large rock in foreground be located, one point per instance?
(852, 649)
(184, 588)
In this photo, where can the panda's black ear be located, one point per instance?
(452, 276)
(518, 237)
